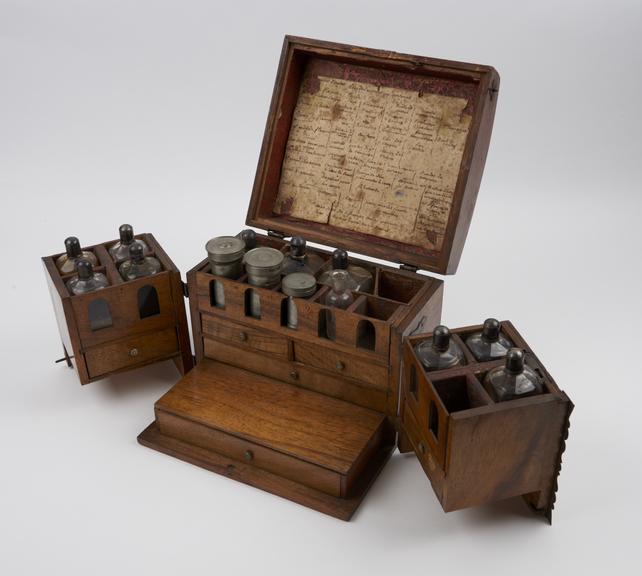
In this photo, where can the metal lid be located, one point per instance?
(299, 284)
(263, 258)
(225, 249)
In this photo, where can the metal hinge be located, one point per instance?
(276, 234)
(408, 267)
(185, 289)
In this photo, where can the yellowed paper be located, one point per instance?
(376, 160)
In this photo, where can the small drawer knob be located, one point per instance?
(421, 448)
(340, 366)
(294, 375)
(242, 336)
(249, 455)
(133, 352)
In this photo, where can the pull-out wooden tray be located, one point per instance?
(316, 450)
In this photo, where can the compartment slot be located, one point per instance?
(531, 362)
(461, 392)
(373, 307)
(395, 286)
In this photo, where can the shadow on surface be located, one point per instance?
(154, 377)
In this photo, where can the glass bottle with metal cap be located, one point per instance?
(120, 251)
(298, 260)
(514, 379)
(359, 278)
(138, 265)
(297, 285)
(490, 343)
(73, 252)
(86, 280)
(440, 351)
(249, 238)
(339, 297)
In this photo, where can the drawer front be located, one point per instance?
(426, 457)
(342, 365)
(298, 374)
(131, 352)
(231, 446)
(245, 337)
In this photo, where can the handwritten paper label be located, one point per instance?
(378, 160)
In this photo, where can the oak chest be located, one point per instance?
(380, 154)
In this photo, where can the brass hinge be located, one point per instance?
(276, 234)
(408, 267)
(185, 289)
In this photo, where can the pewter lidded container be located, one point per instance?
(225, 254)
(297, 285)
(263, 267)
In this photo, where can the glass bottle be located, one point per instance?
(138, 264)
(440, 351)
(73, 252)
(86, 280)
(339, 297)
(249, 238)
(514, 379)
(298, 260)
(120, 251)
(360, 279)
(490, 343)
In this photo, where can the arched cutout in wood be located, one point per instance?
(99, 314)
(366, 335)
(412, 383)
(217, 294)
(148, 302)
(433, 419)
(252, 303)
(327, 327)
(284, 311)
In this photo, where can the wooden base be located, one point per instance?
(342, 508)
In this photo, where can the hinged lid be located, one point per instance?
(375, 152)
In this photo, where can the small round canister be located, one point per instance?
(263, 266)
(297, 285)
(225, 254)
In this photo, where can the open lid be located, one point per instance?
(375, 152)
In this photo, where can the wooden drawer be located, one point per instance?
(342, 365)
(243, 450)
(298, 374)
(312, 439)
(131, 352)
(245, 336)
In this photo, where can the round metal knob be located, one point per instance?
(133, 352)
(249, 455)
(421, 448)
(294, 375)
(242, 336)
(340, 366)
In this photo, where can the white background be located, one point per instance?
(153, 113)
